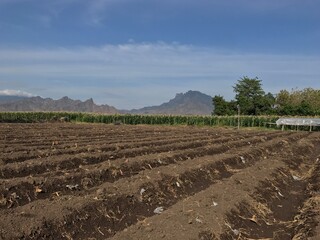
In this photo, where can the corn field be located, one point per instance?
(30, 117)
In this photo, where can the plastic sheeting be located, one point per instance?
(299, 121)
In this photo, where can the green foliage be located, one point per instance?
(304, 102)
(222, 107)
(251, 97)
(231, 121)
(267, 104)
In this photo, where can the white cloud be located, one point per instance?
(146, 60)
(145, 73)
(8, 92)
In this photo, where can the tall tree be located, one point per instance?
(249, 95)
(222, 107)
(267, 104)
(298, 102)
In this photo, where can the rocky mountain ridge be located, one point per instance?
(33, 104)
(189, 103)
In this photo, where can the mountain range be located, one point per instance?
(32, 104)
(189, 103)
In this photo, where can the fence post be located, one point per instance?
(238, 106)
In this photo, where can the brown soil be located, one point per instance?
(90, 181)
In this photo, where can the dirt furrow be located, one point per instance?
(237, 207)
(46, 136)
(27, 189)
(70, 162)
(58, 145)
(65, 132)
(93, 147)
(130, 202)
(163, 182)
(65, 139)
(282, 202)
(142, 196)
(65, 162)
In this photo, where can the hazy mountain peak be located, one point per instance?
(90, 100)
(189, 103)
(48, 104)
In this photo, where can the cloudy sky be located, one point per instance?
(134, 53)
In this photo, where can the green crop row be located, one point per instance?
(30, 117)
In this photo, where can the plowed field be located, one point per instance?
(90, 181)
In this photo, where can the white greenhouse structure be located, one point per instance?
(310, 122)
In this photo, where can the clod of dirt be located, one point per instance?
(296, 178)
(72, 187)
(254, 219)
(102, 193)
(305, 145)
(3, 200)
(214, 204)
(235, 231)
(38, 189)
(15, 196)
(198, 220)
(86, 183)
(142, 191)
(158, 210)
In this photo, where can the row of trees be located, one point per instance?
(251, 99)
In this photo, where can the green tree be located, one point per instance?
(305, 109)
(249, 95)
(298, 102)
(222, 107)
(283, 98)
(266, 104)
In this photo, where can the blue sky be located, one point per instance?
(134, 53)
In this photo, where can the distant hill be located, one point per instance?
(48, 104)
(189, 103)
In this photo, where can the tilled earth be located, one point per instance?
(90, 181)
